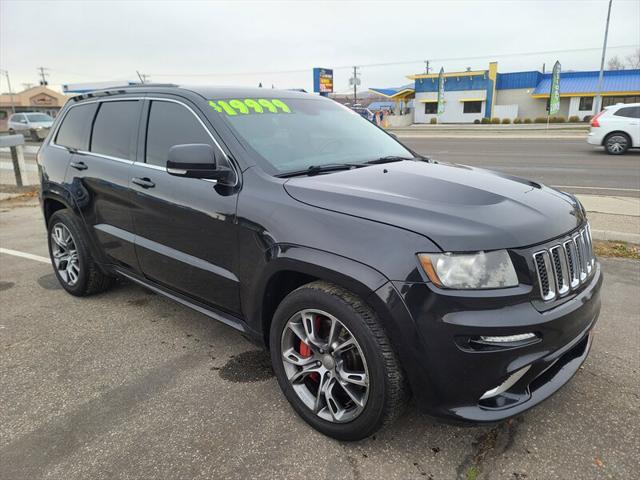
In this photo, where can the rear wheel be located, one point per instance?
(617, 143)
(334, 362)
(72, 262)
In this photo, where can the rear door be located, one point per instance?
(98, 178)
(186, 233)
(628, 118)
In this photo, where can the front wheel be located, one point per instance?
(335, 363)
(617, 143)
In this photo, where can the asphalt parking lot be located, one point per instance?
(127, 384)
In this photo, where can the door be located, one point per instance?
(98, 174)
(185, 228)
(628, 119)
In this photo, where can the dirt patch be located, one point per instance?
(138, 302)
(6, 286)
(617, 249)
(251, 366)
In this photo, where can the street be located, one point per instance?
(127, 384)
(570, 164)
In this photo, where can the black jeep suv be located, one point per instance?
(369, 272)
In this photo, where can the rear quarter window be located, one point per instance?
(628, 112)
(115, 129)
(74, 130)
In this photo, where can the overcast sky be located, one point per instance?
(211, 42)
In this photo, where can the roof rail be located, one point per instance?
(118, 90)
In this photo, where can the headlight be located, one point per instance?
(470, 271)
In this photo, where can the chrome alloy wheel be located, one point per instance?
(64, 254)
(617, 143)
(325, 365)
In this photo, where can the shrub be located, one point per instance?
(433, 120)
(527, 120)
(506, 120)
(476, 121)
(485, 120)
(517, 120)
(559, 119)
(540, 120)
(495, 120)
(574, 119)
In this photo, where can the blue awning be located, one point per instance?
(616, 82)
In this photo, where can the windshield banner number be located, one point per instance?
(249, 105)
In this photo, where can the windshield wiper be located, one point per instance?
(387, 159)
(315, 169)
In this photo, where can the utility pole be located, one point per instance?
(426, 67)
(142, 76)
(6, 74)
(355, 81)
(43, 76)
(597, 103)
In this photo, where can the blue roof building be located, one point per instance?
(473, 95)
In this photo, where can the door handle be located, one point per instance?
(143, 182)
(79, 165)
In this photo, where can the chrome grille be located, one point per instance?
(565, 266)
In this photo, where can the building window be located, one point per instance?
(431, 108)
(606, 101)
(586, 103)
(472, 107)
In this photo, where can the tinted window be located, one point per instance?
(430, 108)
(586, 103)
(74, 131)
(171, 124)
(472, 107)
(115, 129)
(629, 112)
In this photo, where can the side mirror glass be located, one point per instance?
(197, 160)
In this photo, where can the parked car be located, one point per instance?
(34, 125)
(616, 128)
(364, 112)
(369, 272)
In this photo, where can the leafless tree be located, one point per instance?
(615, 63)
(633, 60)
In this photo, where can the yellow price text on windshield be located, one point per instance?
(235, 106)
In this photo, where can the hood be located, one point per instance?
(457, 207)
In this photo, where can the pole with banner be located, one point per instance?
(554, 94)
(441, 92)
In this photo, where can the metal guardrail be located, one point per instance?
(16, 145)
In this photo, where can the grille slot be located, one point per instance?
(565, 266)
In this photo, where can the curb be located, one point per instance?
(613, 236)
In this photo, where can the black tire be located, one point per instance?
(617, 143)
(91, 279)
(388, 392)
(12, 131)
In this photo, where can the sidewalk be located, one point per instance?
(613, 218)
(533, 130)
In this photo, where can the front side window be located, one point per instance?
(171, 124)
(115, 129)
(306, 132)
(74, 131)
(472, 107)
(431, 108)
(586, 103)
(19, 118)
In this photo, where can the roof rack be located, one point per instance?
(118, 90)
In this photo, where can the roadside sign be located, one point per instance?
(322, 80)
(441, 91)
(554, 95)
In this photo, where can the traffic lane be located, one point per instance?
(573, 165)
(128, 384)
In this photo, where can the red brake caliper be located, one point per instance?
(305, 350)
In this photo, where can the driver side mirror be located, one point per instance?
(197, 160)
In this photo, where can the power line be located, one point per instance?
(388, 64)
(43, 76)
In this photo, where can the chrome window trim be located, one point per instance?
(144, 164)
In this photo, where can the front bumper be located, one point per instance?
(449, 378)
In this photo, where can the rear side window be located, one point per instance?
(171, 124)
(115, 129)
(74, 131)
(629, 112)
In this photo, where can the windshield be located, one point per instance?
(302, 133)
(39, 117)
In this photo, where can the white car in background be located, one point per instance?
(616, 128)
(34, 125)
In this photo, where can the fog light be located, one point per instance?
(508, 338)
(507, 384)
